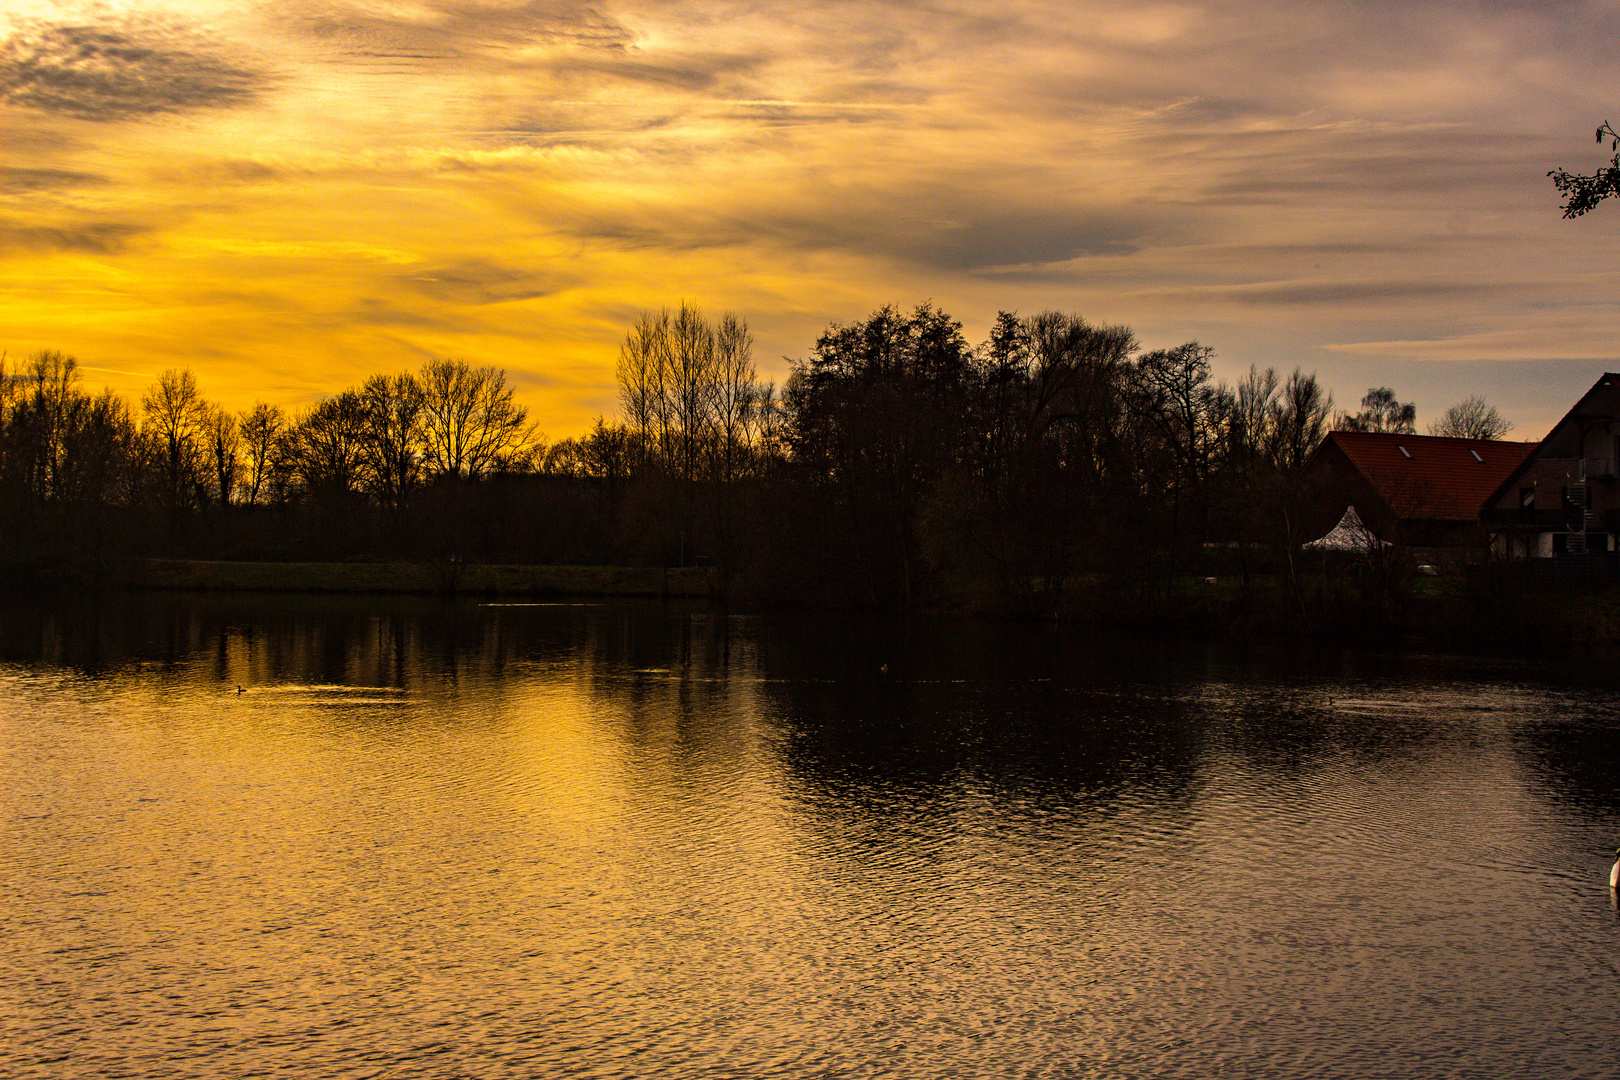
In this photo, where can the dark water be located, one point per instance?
(617, 840)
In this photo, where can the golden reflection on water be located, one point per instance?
(625, 840)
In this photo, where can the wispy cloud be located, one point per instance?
(343, 186)
(14, 179)
(436, 31)
(94, 238)
(479, 282)
(119, 371)
(117, 72)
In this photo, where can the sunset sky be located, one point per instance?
(287, 197)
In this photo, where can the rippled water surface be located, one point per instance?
(621, 840)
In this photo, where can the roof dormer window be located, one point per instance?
(1405, 453)
(1477, 457)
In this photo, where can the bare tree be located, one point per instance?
(733, 393)
(643, 369)
(57, 443)
(470, 424)
(261, 428)
(1471, 418)
(176, 417)
(49, 387)
(693, 409)
(565, 458)
(101, 451)
(223, 441)
(326, 448)
(690, 393)
(1302, 421)
(604, 452)
(692, 377)
(8, 391)
(1254, 428)
(1380, 412)
(1175, 395)
(393, 436)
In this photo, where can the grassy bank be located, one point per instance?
(1444, 611)
(400, 577)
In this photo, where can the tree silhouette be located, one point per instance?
(222, 439)
(262, 428)
(1380, 412)
(1471, 418)
(176, 416)
(876, 415)
(327, 449)
(392, 437)
(1052, 464)
(1585, 190)
(471, 426)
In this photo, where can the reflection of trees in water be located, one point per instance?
(322, 641)
(1576, 758)
(372, 640)
(1019, 715)
(1293, 733)
(1384, 712)
(242, 638)
(1296, 710)
(892, 760)
(675, 684)
(97, 635)
(973, 726)
(66, 631)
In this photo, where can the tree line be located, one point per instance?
(87, 477)
(898, 464)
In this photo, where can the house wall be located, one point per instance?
(1530, 516)
(1336, 485)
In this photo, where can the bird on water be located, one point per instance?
(1614, 871)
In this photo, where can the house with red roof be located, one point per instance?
(1564, 497)
(1415, 490)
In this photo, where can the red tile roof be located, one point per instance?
(1426, 476)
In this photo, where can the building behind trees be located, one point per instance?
(900, 465)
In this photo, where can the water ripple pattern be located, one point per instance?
(624, 840)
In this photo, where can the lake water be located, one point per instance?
(628, 840)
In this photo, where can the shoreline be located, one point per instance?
(1444, 613)
(404, 578)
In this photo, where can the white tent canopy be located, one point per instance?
(1348, 535)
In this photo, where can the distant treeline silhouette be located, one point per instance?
(898, 465)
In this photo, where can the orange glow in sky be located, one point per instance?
(287, 197)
